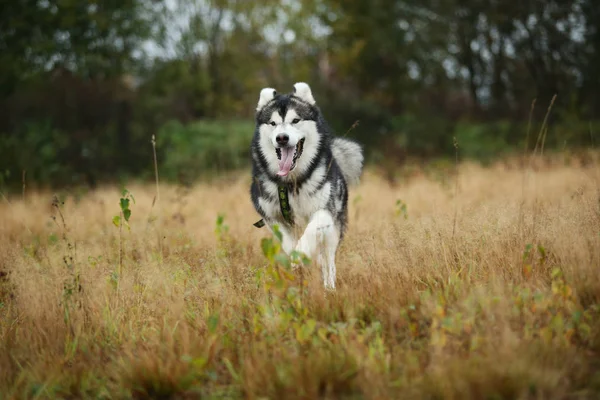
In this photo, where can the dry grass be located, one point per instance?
(501, 301)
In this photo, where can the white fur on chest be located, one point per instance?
(304, 204)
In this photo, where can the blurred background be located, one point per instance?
(85, 84)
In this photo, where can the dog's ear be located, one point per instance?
(302, 90)
(266, 95)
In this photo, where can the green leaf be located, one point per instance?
(116, 221)
(267, 248)
(305, 259)
(309, 327)
(299, 256)
(282, 259)
(295, 255)
(124, 204)
(277, 233)
(556, 273)
(527, 251)
(127, 214)
(199, 363)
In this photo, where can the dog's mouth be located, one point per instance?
(288, 156)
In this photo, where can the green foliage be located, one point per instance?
(221, 228)
(224, 240)
(488, 141)
(125, 214)
(203, 148)
(423, 135)
(401, 209)
(36, 148)
(119, 221)
(94, 39)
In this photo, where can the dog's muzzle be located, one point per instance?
(288, 156)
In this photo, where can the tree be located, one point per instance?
(92, 39)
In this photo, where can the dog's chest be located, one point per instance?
(304, 203)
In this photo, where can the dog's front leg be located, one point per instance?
(320, 241)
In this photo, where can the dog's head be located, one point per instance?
(287, 128)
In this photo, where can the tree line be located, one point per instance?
(84, 85)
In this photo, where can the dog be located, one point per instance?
(300, 176)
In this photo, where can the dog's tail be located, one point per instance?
(349, 157)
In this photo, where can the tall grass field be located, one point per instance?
(454, 282)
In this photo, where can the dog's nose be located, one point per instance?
(282, 139)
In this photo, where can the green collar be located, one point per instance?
(284, 205)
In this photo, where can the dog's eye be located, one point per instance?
(272, 123)
(295, 120)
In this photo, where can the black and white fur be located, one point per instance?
(317, 182)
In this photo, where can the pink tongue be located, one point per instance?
(287, 157)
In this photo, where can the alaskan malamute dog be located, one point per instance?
(301, 174)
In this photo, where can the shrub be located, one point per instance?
(485, 141)
(203, 148)
(37, 149)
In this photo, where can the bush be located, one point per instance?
(203, 148)
(484, 142)
(206, 148)
(35, 149)
(423, 136)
